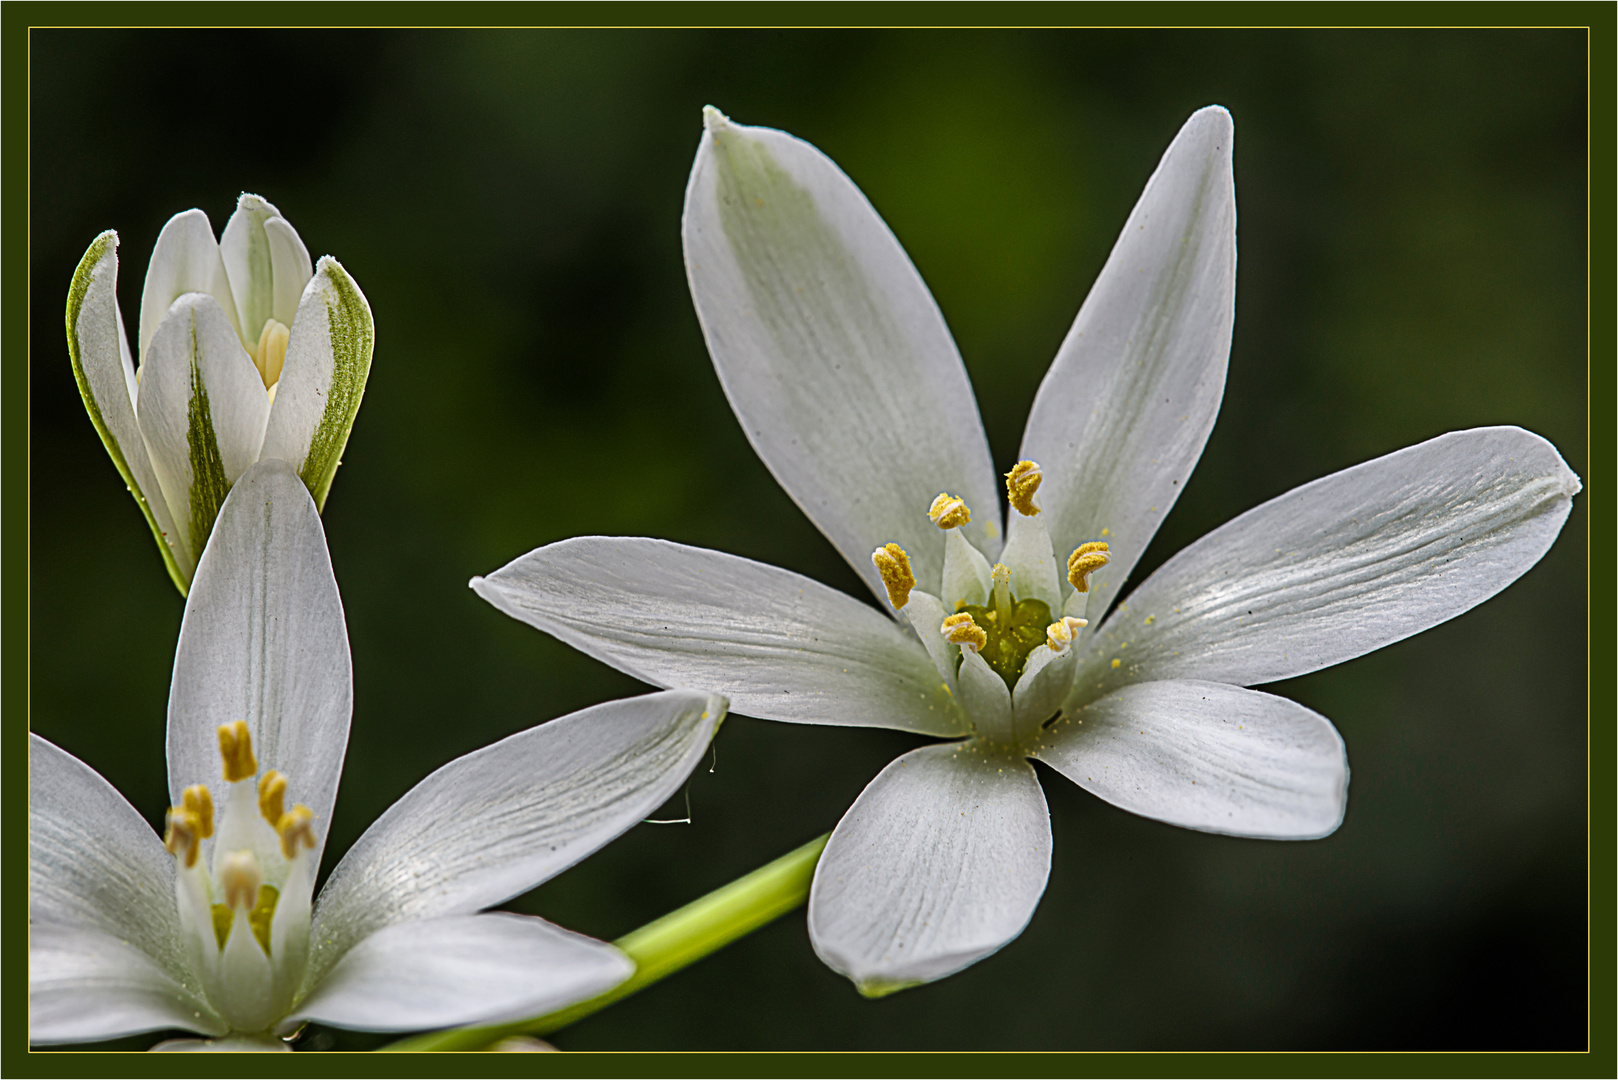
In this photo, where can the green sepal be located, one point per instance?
(353, 336)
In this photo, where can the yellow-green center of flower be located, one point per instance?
(1012, 633)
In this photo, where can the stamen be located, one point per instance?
(239, 879)
(961, 630)
(948, 512)
(894, 566)
(1059, 635)
(272, 793)
(184, 833)
(236, 748)
(295, 825)
(1021, 483)
(1086, 560)
(197, 801)
(1002, 591)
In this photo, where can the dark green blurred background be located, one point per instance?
(1412, 239)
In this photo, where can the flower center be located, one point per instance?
(1010, 633)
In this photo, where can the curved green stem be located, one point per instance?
(665, 946)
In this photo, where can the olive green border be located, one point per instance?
(1602, 287)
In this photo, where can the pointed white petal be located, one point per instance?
(202, 411)
(939, 862)
(1207, 756)
(1126, 407)
(184, 260)
(1343, 565)
(831, 349)
(86, 984)
(779, 645)
(267, 263)
(93, 862)
(462, 969)
(985, 698)
(263, 640)
(328, 360)
(103, 368)
(500, 820)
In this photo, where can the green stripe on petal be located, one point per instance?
(209, 484)
(353, 336)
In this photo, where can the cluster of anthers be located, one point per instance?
(244, 912)
(1001, 615)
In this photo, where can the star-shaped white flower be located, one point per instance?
(843, 374)
(246, 350)
(210, 929)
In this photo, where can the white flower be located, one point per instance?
(246, 351)
(215, 934)
(843, 375)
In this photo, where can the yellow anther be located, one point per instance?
(1021, 483)
(894, 566)
(184, 834)
(196, 800)
(961, 630)
(948, 512)
(271, 352)
(1059, 635)
(295, 825)
(236, 748)
(239, 879)
(272, 794)
(1086, 560)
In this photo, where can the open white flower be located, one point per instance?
(210, 928)
(246, 351)
(844, 376)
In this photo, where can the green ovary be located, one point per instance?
(1010, 640)
(258, 919)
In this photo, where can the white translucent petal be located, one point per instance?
(779, 645)
(1126, 407)
(93, 862)
(1032, 564)
(1043, 686)
(984, 696)
(501, 820)
(85, 985)
(263, 640)
(267, 263)
(1207, 756)
(830, 348)
(1343, 565)
(966, 576)
(462, 969)
(184, 260)
(323, 379)
(104, 369)
(939, 862)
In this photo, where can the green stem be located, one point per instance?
(665, 946)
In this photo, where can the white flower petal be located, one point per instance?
(202, 411)
(1208, 756)
(267, 263)
(1126, 407)
(1343, 565)
(939, 862)
(105, 372)
(263, 640)
(779, 645)
(86, 984)
(184, 260)
(462, 969)
(501, 820)
(831, 349)
(328, 360)
(93, 862)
